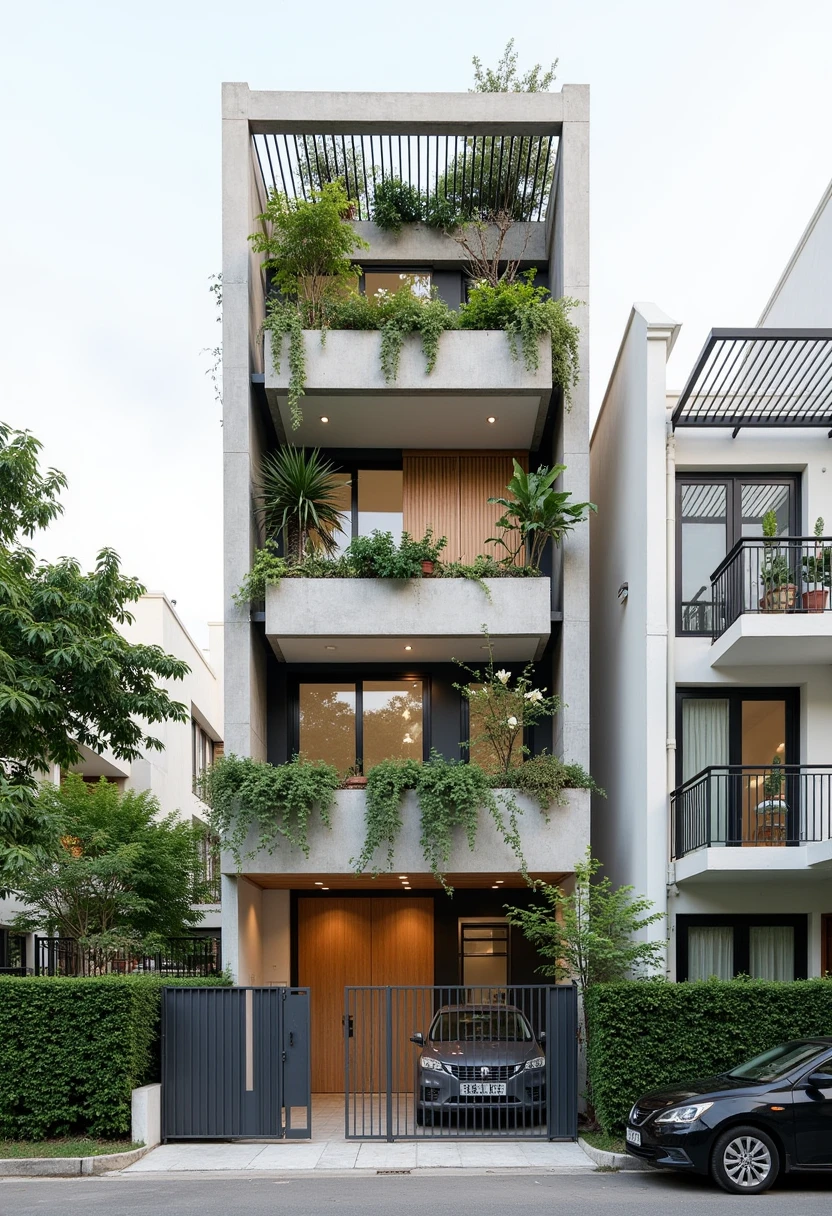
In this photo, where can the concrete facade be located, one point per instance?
(638, 661)
(473, 372)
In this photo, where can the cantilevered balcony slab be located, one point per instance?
(407, 620)
(552, 844)
(775, 639)
(475, 377)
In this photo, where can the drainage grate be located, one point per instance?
(394, 1171)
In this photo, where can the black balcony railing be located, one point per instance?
(787, 575)
(181, 957)
(744, 805)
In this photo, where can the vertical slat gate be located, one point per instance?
(235, 1063)
(487, 1062)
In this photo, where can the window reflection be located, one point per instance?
(327, 724)
(380, 502)
(392, 721)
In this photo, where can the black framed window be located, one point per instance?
(393, 278)
(767, 947)
(355, 723)
(713, 513)
(202, 753)
(735, 726)
(369, 499)
(484, 953)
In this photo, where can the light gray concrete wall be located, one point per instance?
(550, 846)
(304, 607)
(473, 362)
(277, 940)
(568, 232)
(418, 245)
(244, 685)
(146, 1115)
(249, 933)
(803, 295)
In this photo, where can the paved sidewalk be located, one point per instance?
(282, 1156)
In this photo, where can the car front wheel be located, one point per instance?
(745, 1161)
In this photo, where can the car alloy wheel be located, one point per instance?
(745, 1161)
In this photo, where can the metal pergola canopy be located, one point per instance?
(480, 172)
(760, 378)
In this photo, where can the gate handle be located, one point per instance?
(344, 1023)
(291, 1038)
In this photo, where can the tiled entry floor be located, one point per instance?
(328, 1150)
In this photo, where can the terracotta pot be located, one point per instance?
(427, 568)
(815, 601)
(355, 783)
(779, 599)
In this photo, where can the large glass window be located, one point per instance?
(764, 946)
(394, 280)
(357, 724)
(380, 502)
(713, 513)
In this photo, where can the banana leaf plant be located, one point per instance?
(536, 513)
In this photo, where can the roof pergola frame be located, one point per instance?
(754, 378)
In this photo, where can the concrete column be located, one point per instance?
(569, 276)
(244, 684)
(276, 936)
(230, 926)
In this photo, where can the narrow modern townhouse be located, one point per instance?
(712, 630)
(327, 672)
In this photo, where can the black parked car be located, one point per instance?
(480, 1058)
(743, 1127)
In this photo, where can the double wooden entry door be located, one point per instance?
(346, 941)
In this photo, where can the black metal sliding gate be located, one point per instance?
(461, 1062)
(235, 1063)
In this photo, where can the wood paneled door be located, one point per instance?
(345, 941)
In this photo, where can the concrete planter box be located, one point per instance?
(475, 376)
(550, 848)
(374, 619)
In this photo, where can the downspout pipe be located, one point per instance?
(670, 562)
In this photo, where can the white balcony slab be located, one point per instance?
(773, 639)
(475, 377)
(753, 863)
(373, 620)
(552, 844)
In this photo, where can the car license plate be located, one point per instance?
(482, 1089)
(633, 1137)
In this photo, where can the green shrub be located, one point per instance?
(545, 777)
(395, 203)
(71, 1051)
(650, 1033)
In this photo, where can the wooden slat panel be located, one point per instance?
(431, 497)
(334, 950)
(403, 954)
(483, 475)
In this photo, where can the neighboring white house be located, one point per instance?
(188, 746)
(711, 657)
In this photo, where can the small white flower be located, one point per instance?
(512, 721)
(534, 695)
(503, 676)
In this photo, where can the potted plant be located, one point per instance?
(355, 779)
(817, 573)
(299, 497)
(535, 514)
(427, 551)
(779, 590)
(773, 807)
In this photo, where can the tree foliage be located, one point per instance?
(114, 873)
(68, 677)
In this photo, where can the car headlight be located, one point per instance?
(684, 1114)
(537, 1062)
(430, 1063)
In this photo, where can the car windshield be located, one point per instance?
(776, 1062)
(480, 1025)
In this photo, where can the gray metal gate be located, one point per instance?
(235, 1063)
(461, 1062)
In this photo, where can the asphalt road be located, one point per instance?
(471, 1195)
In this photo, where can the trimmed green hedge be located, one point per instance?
(646, 1034)
(71, 1050)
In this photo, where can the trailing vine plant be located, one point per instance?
(386, 786)
(276, 801)
(283, 317)
(450, 796)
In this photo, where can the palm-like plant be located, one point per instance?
(299, 495)
(536, 513)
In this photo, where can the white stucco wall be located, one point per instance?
(803, 296)
(629, 641)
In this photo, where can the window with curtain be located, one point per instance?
(705, 738)
(771, 952)
(711, 952)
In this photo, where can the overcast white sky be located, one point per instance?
(710, 150)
